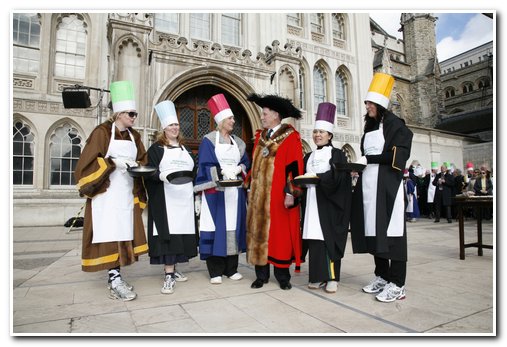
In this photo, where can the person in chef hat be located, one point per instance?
(113, 232)
(428, 183)
(326, 206)
(171, 219)
(378, 213)
(222, 226)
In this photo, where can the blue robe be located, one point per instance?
(214, 242)
(411, 192)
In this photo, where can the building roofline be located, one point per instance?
(463, 53)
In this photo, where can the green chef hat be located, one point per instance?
(434, 165)
(447, 164)
(122, 96)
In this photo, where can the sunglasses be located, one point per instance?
(483, 173)
(131, 114)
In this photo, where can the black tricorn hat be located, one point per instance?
(276, 103)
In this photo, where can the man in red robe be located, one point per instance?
(273, 222)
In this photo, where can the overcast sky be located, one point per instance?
(456, 32)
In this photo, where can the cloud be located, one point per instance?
(477, 31)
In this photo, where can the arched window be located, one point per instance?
(317, 22)
(200, 26)
(26, 42)
(167, 22)
(338, 26)
(70, 56)
(231, 24)
(319, 86)
(301, 76)
(349, 153)
(467, 88)
(483, 83)
(449, 92)
(23, 153)
(341, 94)
(64, 151)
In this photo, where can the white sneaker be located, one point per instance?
(216, 280)
(316, 285)
(331, 286)
(375, 286)
(121, 292)
(168, 286)
(236, 277)
(129, 286)
(391, 293)
(179, 277)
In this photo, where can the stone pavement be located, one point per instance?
(446, 296)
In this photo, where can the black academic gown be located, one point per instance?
(392, 160)
(334, 201)
(164, 243)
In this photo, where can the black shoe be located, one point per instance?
(258, 283)
(449, 221)
(285, 285)
(437, 221)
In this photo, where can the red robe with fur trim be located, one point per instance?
(273, 231)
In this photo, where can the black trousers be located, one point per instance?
(320, 267)
(281, 274)
(395, 272)
(218, 266)
(438, 209)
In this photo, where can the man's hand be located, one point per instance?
(288, 201)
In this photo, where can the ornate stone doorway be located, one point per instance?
(196, 120)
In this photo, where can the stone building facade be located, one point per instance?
(467, 83)
(187, 58)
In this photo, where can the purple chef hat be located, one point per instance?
(325, 117)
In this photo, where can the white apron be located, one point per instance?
(431, 188)
(113, 210)
(228, 156)
(373, 145)
(318, 162)
(179, 198)
(410, 203)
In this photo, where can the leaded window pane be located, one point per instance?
(71, 48)
(203, 123)
(231, 28)
(65, 149)
(23, 154)
(187, 123)
(200, 24)
(341, 95)
(26, 41)
(167, 22)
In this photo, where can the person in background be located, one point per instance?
(428, 182)
(378, 223)
(422, 189)
(444, 183)
(459, 182)
(482, 187)
(222, 227)
(412, 209)
(468, 175)
(273, 221)
(172, 235)
(326, 206)
(113, 231)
